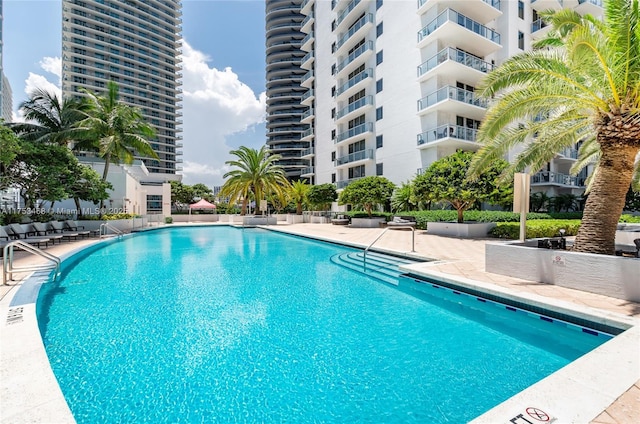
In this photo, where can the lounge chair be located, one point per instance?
(402, 222)
(340, 220)
(58, 228)
(73, 226)
(17, 232)
(631, 253)
(41, 229)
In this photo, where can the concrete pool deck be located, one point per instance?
(29, 393)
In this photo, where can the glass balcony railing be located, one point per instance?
(307, 170)
(594, 2)
(367, 73)
(306, 76)
(538, 25)
(308, 114)
(569, 153)
(447, 131)
(353, 157)
(307, 38)
(368, 18)
(307, 152)
(458, 56)
(306, 20)
(346, 11)
(367, 100)
(548, 177)
(452, 93)
(306, 95)
(494, 3)
(344, 183)
(306, 57)
(451, 15)
(354, 55)
(359, 129)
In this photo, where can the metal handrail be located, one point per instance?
(106, 226)
(9, 269)
(395, 227)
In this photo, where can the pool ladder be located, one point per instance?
(413, 242)
(7, 261)
(105, 226)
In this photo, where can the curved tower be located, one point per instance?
(284, 111)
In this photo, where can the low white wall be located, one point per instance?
(195, 218)
(259, 220)
(295, 219)
(613, 276)
(464, 230)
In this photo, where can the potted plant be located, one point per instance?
(367, 193)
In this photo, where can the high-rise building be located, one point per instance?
(392, 82)
(287, 119)
(6, 96)
(135, 43)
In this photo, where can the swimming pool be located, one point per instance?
(204, 324)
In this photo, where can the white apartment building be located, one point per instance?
(135, 43)
(391, 82)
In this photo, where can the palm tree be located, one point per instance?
(256, 174)
(298, 193)
(117, 130)
(583, 79)
(48, 120)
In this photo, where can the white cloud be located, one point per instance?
(216, 105)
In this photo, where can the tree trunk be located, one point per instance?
(606, 199)
(299, 209)
(460, 215)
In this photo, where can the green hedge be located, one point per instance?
(536, 228)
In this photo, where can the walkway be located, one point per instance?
(455, 257)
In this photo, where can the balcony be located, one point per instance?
(343, 183)
(361, 52)
(362, 155)
(305, 45)
(306, 6)
(309, 170)
(542, 5)
(307, 79)
(592, 7)
(367, 127)
(307, 61)
(567, 155)
(307, 153)
(454, 100)
(307, 135)
(307, 98)
(352, 9)
(355, 106)
(469, 35)
(363, 24)
(556, 178)
(308, 116)
(451, 61)
(480, 10)
(456, 136)
(355, 80)
(539, 29)
(307, 23)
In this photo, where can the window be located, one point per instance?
(154, 203)
(520, 9)
(333, 156)
(379, 30)
(379, 141)
(333, 69)
(333, 178)
(333, 91)
(379, 57)
(378, 168)
(333, 134)
(379, 85)
(379, 113)
(356, 172)
(333, 113)
(333, 48)
(358, 146)
(378, 4)
(520, 40)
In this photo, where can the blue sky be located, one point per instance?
(223, 73)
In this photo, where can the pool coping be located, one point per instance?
(578, 392)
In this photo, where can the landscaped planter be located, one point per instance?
(463, 230)
(612, 276)
(259, 220)
(320, 219)
(280, 216)
(295, 219)
(122, 225)
(367, 222)
(236, 219)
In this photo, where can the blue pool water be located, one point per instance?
(218, 324)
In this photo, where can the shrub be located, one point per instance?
(630, 219)
(168, 220)
(536, 228)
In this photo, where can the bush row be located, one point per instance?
(536, 228)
